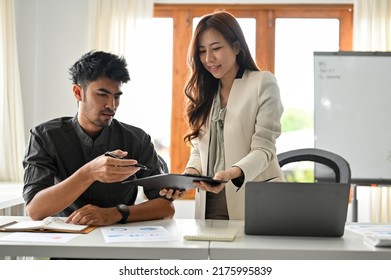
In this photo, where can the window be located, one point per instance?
(150, 96)
(296, 41)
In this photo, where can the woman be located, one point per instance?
(233, 111)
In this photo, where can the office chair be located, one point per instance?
(335, 162)
(163, 164)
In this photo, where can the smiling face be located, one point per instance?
(217, 55)
(97, 104)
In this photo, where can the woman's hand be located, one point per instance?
(203, 186)
(223, 175)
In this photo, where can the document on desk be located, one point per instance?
(377, 235)
(136, 234)
(370, 229)
(39, 237)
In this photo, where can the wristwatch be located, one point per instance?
(124, 210)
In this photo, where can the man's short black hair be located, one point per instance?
(97, 64)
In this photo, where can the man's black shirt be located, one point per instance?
(59, 147)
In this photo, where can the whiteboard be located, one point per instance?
(352, 110)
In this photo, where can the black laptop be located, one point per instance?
(296, 209)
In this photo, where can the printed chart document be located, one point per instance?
(136, 234)
(377, 235)
(50, 224)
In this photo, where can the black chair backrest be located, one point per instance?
(336, 162)
(163, 164)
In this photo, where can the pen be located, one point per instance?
(119, 157)
(110, 154)
(141, 166)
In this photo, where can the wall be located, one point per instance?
(51, 35)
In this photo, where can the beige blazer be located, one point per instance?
(252, 125)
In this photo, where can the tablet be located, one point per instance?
(174, 181)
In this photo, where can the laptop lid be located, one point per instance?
(296, 209)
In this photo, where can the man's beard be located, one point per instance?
(103, 124)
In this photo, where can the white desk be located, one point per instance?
(246, 247)
(93, 245)
(350, 246)
(11, 195)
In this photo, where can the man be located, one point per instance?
(66, 170)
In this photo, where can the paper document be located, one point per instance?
(44, 237)
(370, 229)
(136, 234)
(378, 235)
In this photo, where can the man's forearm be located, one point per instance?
(57, 197)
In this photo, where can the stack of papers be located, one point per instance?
(378, 240)
(377, 235)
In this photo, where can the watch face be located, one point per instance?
(124, 210)
(123, 207)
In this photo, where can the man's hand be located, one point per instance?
(172, 194)
(108, 169)
(94, 215)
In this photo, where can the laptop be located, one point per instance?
(296, 209)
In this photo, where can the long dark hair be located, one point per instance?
(201, 86)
